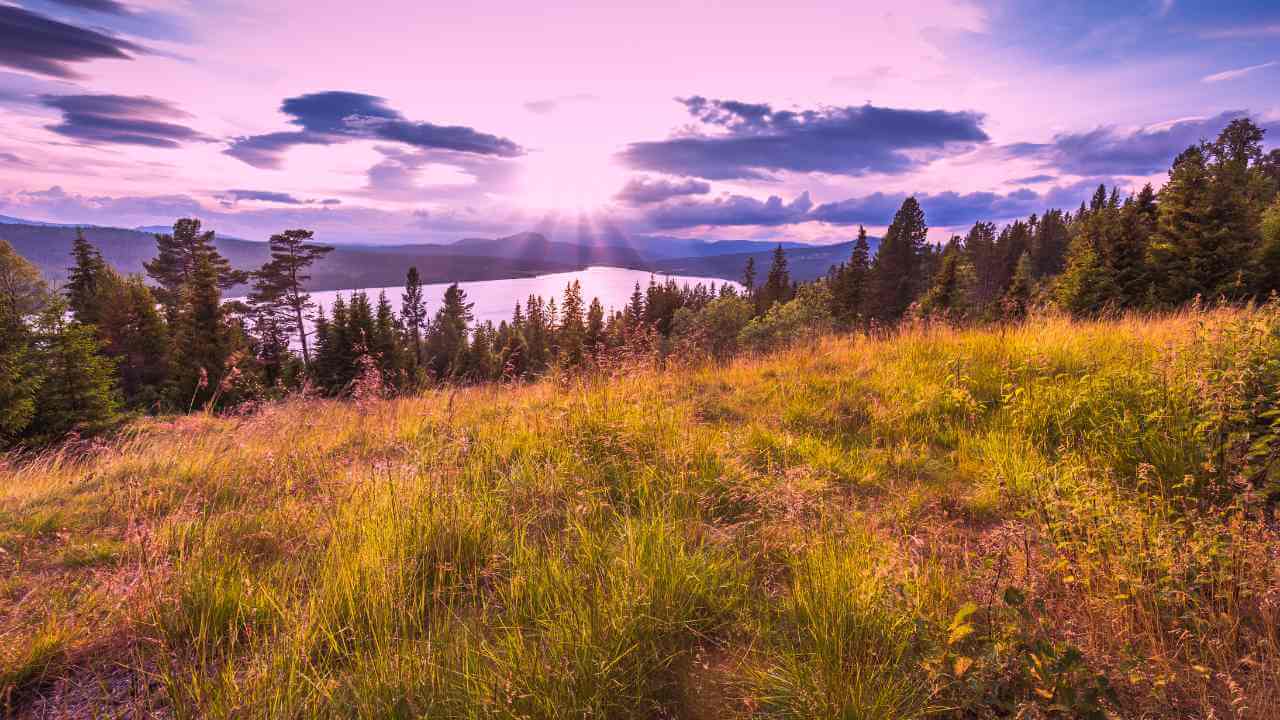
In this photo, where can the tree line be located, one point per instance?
(109, 345)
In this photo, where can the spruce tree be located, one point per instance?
(777, 284)
(573, 331)
(595, 328)
(133, 333)
(895, 277)
(748, 277)
(83, 278)
(447, 342)
(78, 392)
(278, 284)
(849, 281)
(950, 295)
(203, 341)
(413, 309)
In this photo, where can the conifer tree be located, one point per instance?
(413, 309)
(83, 278)
(573, 332)
(447, 342)
(278, 284)
(895, 277)
(1017, 299)
(177, 257)
(133, 332)
(78, 392)
(635, 311)
(203, 341)
(385, 341)
(950, 296)
(849, 281)
(777, 284)
(595, 328)
(748, 277)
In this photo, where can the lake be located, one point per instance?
(495, 299)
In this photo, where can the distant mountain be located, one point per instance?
(660, 247)
(347, 267)
(48, 245)
(804, 262)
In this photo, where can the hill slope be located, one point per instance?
(1021, 521)
(805, 263)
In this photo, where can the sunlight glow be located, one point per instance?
(570, 180)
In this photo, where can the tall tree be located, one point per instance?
(777, 284)
(134, 334)
(573, 329)
(413, 310)
(447, 343)
(278, 284)
(749, 276)
(83, 279)
(950, 296)
(177, 257)
(849, 281)
(78, 393)
(895, 277)
(203, 340)
(595, 327)
(22, 294)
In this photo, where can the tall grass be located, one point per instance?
(1059, 518)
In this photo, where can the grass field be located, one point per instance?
(1035, 521)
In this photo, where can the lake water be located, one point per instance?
(495, 299)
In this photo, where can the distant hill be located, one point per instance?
(804, 262)
(48, 245)
(347, 267)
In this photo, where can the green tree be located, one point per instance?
(573, 330)
(849, 281)
(777, 284)
(896, 274)
(203, 339)
(83, 278)
(447, 341)
(278, 284)
(177, 256)
(748, 277)
(413, 309)
(950, 296)
(134, 334)
(22, 294)
(595, 328)
(78, 392)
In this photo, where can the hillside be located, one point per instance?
(1033, 521)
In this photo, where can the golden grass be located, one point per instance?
(943, 522)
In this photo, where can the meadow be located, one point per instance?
(1053, 519)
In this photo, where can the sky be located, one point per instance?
(394, 121)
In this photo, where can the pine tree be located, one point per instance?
(950, 296)
(413, 309)
(385, 342)
(849, 281)
(777, 284)
(595, 328)
(1181, 249)
(134, 334)
(635, 311)
(278, 284)
(1017, 299)
(896, 274)
(1049, 244)
(203, 341)
(83, 278)
(573, 332)
(447, 340)
(78, 392)
(748, 277)
(177, 257)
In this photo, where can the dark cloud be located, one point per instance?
(1109, 151)
(1032, 179)
(121, 120)
(945, 209)
(35, 43)
(9, 158)
(754, 141)
(646, 191)
(329, 118)
(550, 105)
(730, 210)
(106, 7)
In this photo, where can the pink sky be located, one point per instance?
(575, 84)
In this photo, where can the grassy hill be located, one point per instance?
(1041, 521)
